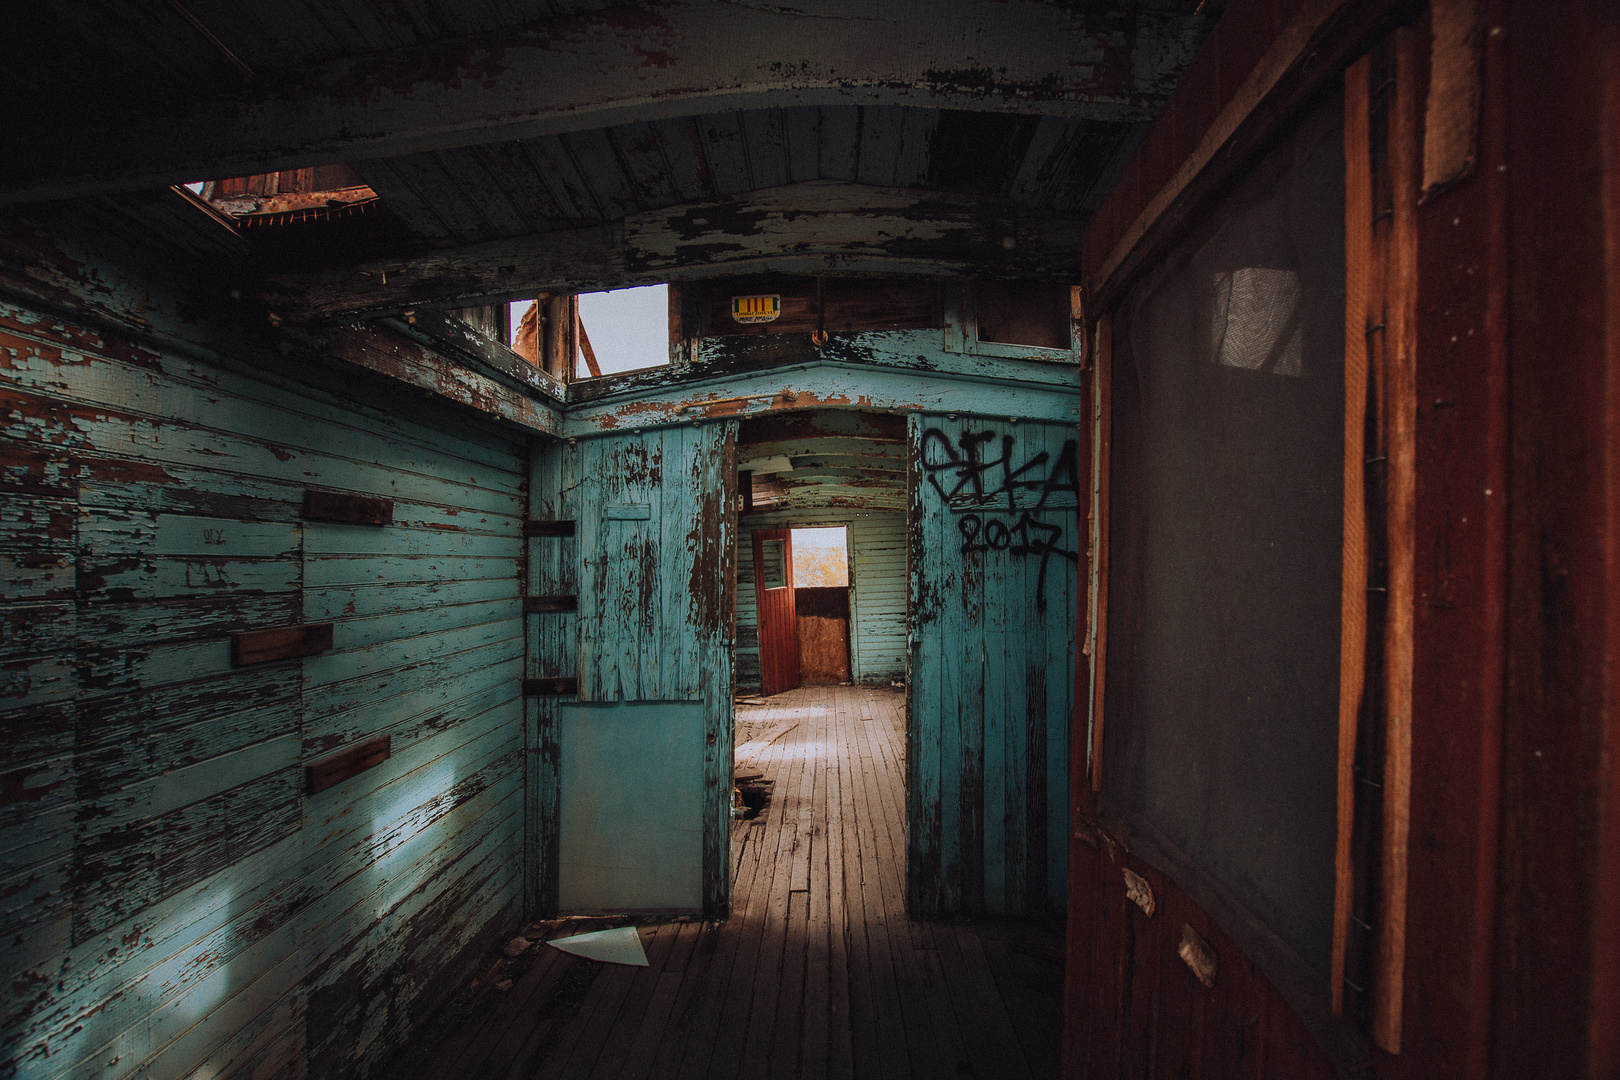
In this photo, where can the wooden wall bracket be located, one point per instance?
(281, 643)
(347, 509)
(548, 528)
(533, 605)
(351, 762)
(553, 687)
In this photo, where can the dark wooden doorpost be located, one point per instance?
(778, 620)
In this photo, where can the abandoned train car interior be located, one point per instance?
(981, 538)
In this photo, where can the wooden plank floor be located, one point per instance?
(818, 972)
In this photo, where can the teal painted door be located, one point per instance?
(994, 550)
(633, 775)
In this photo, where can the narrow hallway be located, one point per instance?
(817, 972)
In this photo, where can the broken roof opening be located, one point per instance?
(622, 330)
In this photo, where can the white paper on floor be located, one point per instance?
(620, 946)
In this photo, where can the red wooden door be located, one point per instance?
(778, 622)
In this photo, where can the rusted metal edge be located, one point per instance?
(829, 384)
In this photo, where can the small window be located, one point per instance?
(523, 329)
(773, 565)
(820, 558)
(1031, 320)
(1032, 313)
(622, 330)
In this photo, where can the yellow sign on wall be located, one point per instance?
(756, 309)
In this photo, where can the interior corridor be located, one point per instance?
(817, 972)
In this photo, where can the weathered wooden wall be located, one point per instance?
(1510, 928)
(877, 600)
(994, 551)
(652, 562)
(174, 900)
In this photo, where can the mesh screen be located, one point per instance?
(1225, 540)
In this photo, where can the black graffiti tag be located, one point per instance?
(963, 472)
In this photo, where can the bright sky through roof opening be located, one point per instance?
(628, 328)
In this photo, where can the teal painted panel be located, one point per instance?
(631, 825)
(995, 548)
(655, 588)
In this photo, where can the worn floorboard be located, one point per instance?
(817, 974)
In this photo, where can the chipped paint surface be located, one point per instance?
(651, 562)
(164, 863)
(990, 676)
(675, 58)
(820, 385)
(812, 227)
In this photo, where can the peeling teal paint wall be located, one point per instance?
(174, 900)
(995, 545)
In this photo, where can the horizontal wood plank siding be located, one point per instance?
(177, 899)
(877, 567)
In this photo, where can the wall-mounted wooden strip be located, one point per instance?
(1400, 404)
(629, 512)
(1358, 245)
(281, 643)
(548, 528)
(536, 604)
(351, 762)
(557, 687)
(347, 509)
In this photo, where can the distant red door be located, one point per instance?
(778, 621)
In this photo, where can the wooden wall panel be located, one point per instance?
(179, 899)
(995, 546)
(1136, 1008)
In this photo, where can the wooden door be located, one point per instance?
(995, 548)
(778, 619)
(634, 748)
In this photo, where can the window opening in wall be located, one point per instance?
(772, 567)
(523, 329)
(1032, 313)
(820, 558)
(622, 330)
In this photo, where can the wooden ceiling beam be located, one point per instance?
(630, 63)
(816, 227)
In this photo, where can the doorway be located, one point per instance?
(821, 604)
(802, 593)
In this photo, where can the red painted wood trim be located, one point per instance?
(347, 509)
(352, 762)
(281, 643)
(1105, 427)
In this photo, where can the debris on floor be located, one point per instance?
(517, 946)
(754, 792)
(618, 946)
